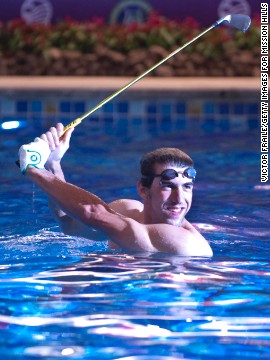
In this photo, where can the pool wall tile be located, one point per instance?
(194, 107)
(36, 106)
(8, 106)
(253, 123)
(50, 106)
(79, 107)
(181, 107)
(180, 124)
(143, 111)
(223, 108)
(224, 124)
(137, 107)
(209, 108)
(166, 109)
(64, 107)
(108, 108)
(238, 109)
(122, 107)
(90, 104)
(22, 106)
(151, 108)
(137, 121)
(253, 108)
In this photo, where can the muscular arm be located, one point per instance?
(88, 209)
(67, 224)
(58, 149)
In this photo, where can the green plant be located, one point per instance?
(84, 37)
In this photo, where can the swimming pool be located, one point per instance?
(65, 297)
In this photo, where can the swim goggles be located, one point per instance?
(170, 174)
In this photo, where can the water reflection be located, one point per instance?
(124, 302)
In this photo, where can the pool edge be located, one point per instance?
(111, 83)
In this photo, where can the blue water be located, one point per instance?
(67, 297)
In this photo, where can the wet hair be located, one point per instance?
(162, 156)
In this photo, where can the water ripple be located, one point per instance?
(172, 304)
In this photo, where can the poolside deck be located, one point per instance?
(113, 83)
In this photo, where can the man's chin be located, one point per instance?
(174, 222)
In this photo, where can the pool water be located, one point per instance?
(67, 297)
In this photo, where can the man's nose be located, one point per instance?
(177, 195)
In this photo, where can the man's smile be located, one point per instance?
(173, 210)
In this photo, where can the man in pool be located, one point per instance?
(156, 225)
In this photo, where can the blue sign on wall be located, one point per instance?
(124, 11)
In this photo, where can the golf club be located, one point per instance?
(237, 21)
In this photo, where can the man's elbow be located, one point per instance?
(71, 226)
(67, 226)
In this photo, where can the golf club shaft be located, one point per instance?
(77, 121)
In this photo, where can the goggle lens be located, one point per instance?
(171, 174)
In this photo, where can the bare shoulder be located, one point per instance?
(129, 208)
(128, 204)
(178, 240)
(127, 230)
(130, 234)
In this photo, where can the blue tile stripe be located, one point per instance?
(145, 112)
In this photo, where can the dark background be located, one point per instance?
(206, 11)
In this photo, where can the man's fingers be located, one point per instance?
(44, 137)
(67, 135)
(54, 136)
(59, 129)
(50, 139)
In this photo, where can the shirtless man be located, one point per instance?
(157, 224)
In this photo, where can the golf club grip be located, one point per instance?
(72, 124)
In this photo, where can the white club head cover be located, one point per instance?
(35, 154)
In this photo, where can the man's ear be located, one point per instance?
(142, 190)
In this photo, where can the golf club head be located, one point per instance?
(237, 21)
